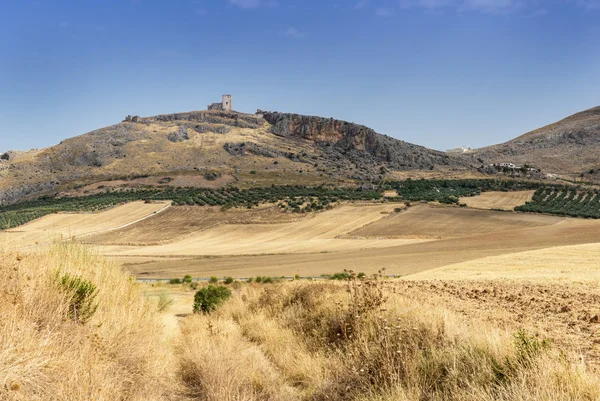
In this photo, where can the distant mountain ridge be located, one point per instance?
(569, 146)
(219, 147)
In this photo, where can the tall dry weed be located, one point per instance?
(116, 353)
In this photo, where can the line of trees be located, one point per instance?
(572, 202)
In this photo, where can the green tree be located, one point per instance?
(207, 299)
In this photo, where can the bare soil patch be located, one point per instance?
(568, 315)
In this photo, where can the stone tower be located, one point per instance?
(227, 102)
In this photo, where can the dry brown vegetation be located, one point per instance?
(48, 354)
(369, 340)
(366, 340)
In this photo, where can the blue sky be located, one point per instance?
(440, 73)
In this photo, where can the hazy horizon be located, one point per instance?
(438, 73)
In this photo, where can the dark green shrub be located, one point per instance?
(82, 297)
(207, 299)
(175, 281)
(187, 278)
(213, 280)
(228, 280)
(340, 276)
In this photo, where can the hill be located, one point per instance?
(213, 149)
(569, 146)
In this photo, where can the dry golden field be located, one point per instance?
(491, 306)
(314, 234)
(67, 225)
(498, 200)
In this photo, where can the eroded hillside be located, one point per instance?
(214, 148)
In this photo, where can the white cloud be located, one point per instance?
(360, 4)
(292, 32)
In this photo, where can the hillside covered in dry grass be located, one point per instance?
(213, 149)
(569, 146)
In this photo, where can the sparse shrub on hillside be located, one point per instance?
(213, 280)
(187, 279)
(209, 298)
(82, 297)
(228, 280)
(175, 281)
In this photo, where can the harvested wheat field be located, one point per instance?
(314, 234)
(571, 264)
(180, 222)
(64, 225)
(540, 232)
(426, 221)
(498, 200)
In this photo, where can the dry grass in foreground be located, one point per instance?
(74, 327)
(364, 341)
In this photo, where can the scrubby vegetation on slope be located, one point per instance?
(363, 340)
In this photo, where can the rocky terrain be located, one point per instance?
(569, 146)
(253, 150)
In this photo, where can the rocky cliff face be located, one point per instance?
(360, 143)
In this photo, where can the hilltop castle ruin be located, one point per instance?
(224, 105)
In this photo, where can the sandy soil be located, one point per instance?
(498, 200)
